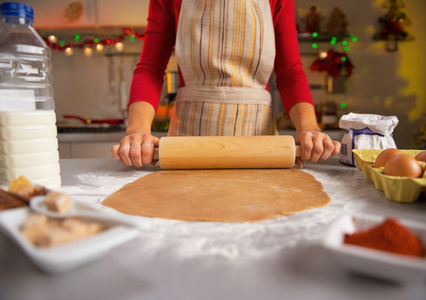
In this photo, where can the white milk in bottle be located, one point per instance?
(28, 134)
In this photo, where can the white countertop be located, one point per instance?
(275, 259)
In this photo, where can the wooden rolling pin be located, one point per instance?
(227, 152)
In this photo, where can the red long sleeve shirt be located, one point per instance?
(159, 40)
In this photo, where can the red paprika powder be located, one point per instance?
(390, 236)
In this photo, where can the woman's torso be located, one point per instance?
(225, 51)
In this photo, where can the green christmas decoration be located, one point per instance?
(393, 25)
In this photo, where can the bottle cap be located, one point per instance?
(16, 9)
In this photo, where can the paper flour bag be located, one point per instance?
(365, 131)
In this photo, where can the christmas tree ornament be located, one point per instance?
(393, 25)
(337, 23)
(312, 20)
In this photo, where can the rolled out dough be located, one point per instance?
(220, 195)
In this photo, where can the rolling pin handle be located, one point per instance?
(155, 155)
(298, 151)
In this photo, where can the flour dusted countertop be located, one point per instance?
(275, 259)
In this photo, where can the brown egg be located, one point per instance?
(384, 156)
(421, 156)
(403, 165)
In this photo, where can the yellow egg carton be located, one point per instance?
(400, 189)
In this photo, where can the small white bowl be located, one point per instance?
(63, 258)
(380, 264)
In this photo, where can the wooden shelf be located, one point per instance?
(321, 38)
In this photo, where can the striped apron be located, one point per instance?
(225, 51)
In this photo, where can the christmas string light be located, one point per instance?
(69, 51)
(334, 40)
(97, 43)
(88, 51)
(119, 46)
(52, 38)
(99, 47)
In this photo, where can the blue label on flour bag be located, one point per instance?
(357, 136)
(366, 131)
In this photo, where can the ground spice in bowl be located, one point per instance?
(390, 236)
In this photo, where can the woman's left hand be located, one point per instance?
(316, 146)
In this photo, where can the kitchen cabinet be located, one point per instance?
(123, 13)
(86, 150)
(91, 145)
(64, 150)
(51, 14)
(88, 145)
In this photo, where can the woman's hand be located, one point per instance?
(316, 146)
(135, 149)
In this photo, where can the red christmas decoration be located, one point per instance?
(335, 64)
(90, 42)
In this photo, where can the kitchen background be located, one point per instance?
(382, 82)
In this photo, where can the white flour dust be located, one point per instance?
(227, 240)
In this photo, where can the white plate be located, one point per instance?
(63, 258)
(86, 210)
(393, 267)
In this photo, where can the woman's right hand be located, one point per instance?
(135, 149)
